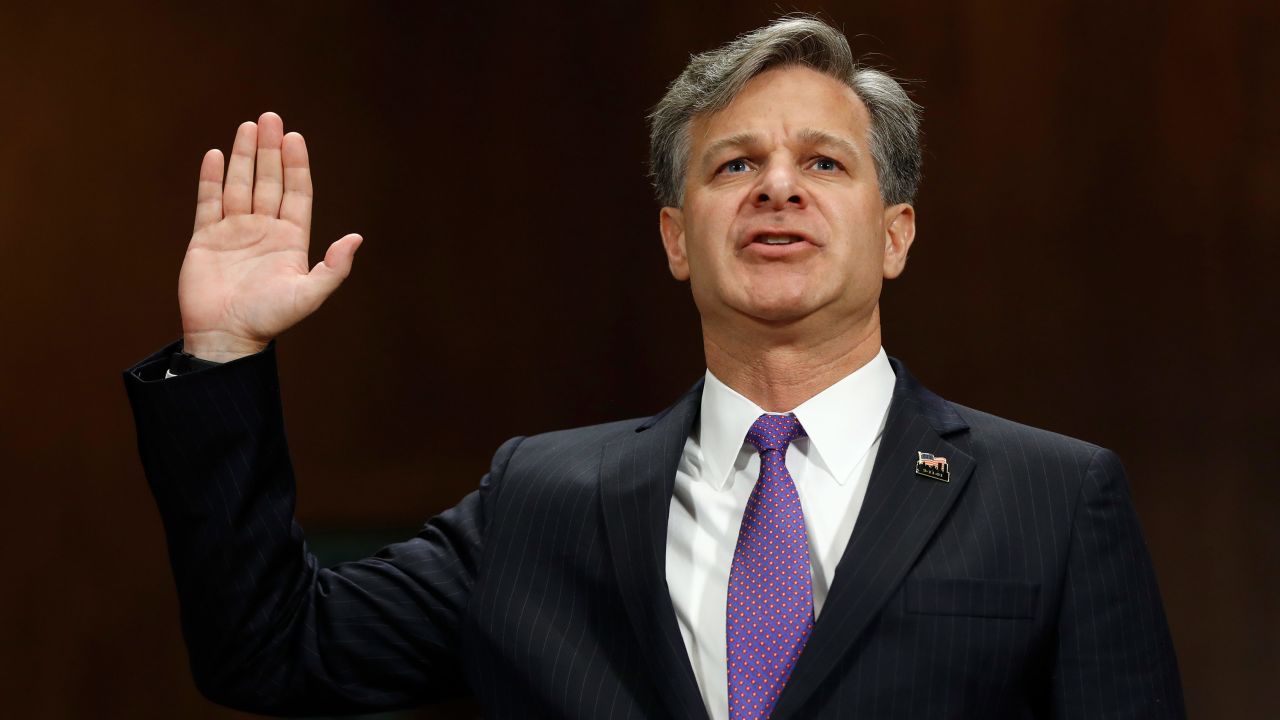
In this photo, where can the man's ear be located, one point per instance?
(899, 231)
(671, 225)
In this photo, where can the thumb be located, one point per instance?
(329, 273)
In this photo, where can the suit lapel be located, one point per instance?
(900, 513)
(637, 478)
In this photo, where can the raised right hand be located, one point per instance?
(245, 278)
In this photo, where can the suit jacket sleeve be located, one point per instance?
(267, 630)
(1114, 657)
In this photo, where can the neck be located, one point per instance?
(779, 369)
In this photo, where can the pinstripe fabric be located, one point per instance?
(1020, 589)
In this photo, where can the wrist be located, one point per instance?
(219, 347)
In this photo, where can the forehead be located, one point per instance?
(780, 103)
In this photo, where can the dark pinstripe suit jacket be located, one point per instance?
(1022, 588)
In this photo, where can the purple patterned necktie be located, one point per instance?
(770, 610)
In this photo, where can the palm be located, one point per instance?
(245, 278)
(242, 274)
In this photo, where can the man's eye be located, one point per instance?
(826, 164)
(736, 166)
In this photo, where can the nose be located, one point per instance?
(779, 188)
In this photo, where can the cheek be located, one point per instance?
(860, 225)
(706, 234)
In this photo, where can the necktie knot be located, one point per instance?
(774, 432)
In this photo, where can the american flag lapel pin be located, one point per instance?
(932, 466)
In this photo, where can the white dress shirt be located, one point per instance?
(717, 471)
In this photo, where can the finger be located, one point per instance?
(296, 205)
(269, 181)
(329, 273)
(237, 195)
(209, 191)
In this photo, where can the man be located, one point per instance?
(807, 533)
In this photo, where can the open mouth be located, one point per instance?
(777, 239)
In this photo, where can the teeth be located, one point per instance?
(777, 239)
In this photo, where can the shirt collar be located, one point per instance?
(842, 421)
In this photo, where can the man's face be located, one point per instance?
(782, 218)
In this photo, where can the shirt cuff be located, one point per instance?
(182, 363)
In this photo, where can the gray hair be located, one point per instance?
(714, 78)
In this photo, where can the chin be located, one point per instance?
(771, 303)
(779, 311)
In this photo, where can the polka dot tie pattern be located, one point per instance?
(770, 603)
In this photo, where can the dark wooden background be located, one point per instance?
(1097, 254)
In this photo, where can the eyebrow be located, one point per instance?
(821, 137)
(741, 140)
(807, 136)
